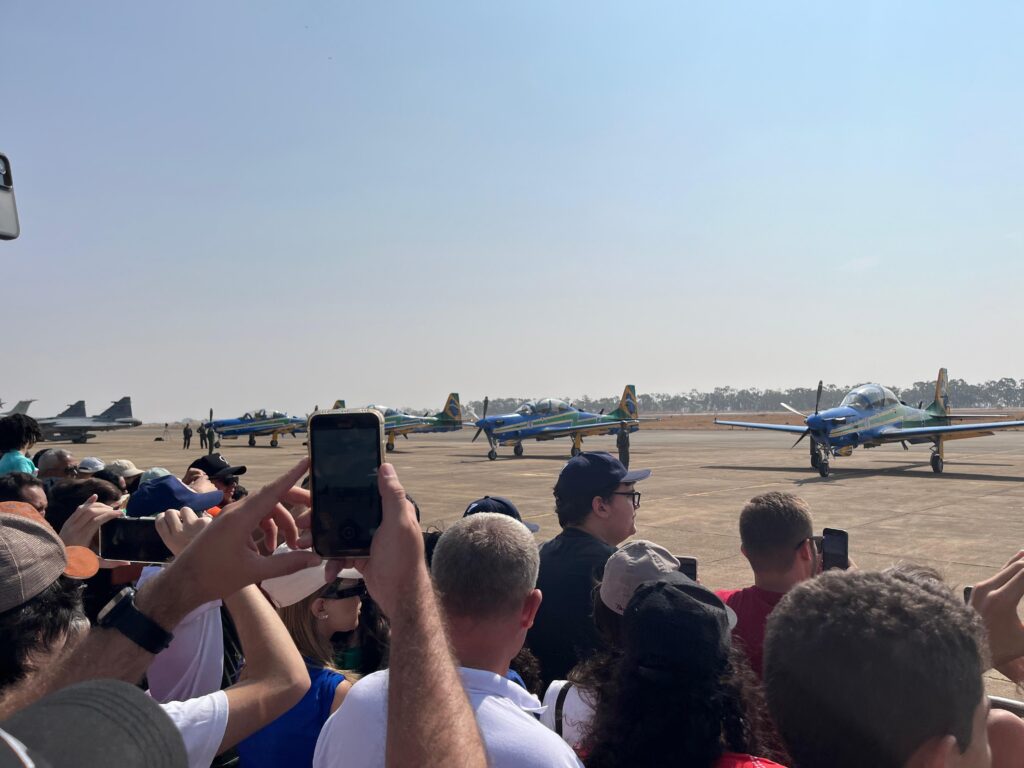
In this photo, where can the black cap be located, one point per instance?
(674, 625)
(216, 466)
(589, 474)
(95, 724)
(500, 505)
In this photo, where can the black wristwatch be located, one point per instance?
(121, 614)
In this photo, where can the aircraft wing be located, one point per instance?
(755, 425)
(895, 435)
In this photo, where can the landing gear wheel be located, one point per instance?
(492, 454)
(252, 441)
(273, 442)
(389, 447)
(815, 461)
(937, 464)
(823, 468)
(518, 450)
(574, 452)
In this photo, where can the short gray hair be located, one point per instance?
(485, 565)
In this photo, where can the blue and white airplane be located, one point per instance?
(549, 419)
(255, 424)
(871, 415)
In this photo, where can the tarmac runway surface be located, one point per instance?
(966, 522)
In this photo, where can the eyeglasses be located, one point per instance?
(337, 592)
(71, 471)
(815, 543)
(634, 494)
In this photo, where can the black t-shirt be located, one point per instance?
(571, 564)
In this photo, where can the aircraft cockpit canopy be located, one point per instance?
(869, 397)
(546, 406)
(385, 410)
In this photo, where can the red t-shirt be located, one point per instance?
(752, 606)
(734, 760)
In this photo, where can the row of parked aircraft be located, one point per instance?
(545, 419)
(73, 424)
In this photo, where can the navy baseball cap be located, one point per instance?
(216, 466)
(589, 474)
(169, 492)
(502, 506)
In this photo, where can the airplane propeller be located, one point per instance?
(481, 429)
(817, 407)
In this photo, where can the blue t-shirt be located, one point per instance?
(291, 738)
(16, 461)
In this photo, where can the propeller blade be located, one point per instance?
(486, 403)
(817, 400)
(803, 434)
(793, 410)
(481, 429)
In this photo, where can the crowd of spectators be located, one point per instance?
(477, 645)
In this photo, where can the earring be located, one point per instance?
(322, 616)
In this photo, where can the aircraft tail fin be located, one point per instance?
(940, 406)
(338, 405)
(122, 409)
(74, 411)
(628, 408)
(21, 407)
(452, 408)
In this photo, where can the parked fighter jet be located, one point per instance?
(20, 407)
(871, 415)
(397, 422)
(72, 424)
(548, 419)
(255, 424)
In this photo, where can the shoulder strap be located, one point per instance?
(559, 703)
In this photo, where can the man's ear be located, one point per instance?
(937, 752)
(806, 551)
(530, 607)
(599, 507)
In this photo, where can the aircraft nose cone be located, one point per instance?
(815, 422)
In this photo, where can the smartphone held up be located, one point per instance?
(135, 540)
(346, 449)
(835, 549)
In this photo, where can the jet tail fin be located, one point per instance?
(74, 411)
(122, 409)
(339, 405)
(452, 408)
(940, 406)
(628, 408)
(21, 407)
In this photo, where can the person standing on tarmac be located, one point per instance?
(622, 443)
(201, 431)
(186, 434)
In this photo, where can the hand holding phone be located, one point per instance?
(135, 540)
(345, 452)
(835, 549)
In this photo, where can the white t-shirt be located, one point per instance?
(201, 723)
(577, 711)
(193, 664)
(355, 735)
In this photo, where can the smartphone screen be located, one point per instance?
(835, 551)
(688, 567)
(134, 539)
(345, 454)
(9, 228)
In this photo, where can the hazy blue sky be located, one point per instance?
(235, 204)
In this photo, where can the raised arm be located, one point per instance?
(276, 677)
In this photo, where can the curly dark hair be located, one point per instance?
(13, 483)
(640, 720)
(862, 668)
(34, 626)
(18, 432)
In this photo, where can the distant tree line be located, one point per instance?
(1001, 393)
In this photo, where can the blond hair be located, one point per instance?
(301, 623)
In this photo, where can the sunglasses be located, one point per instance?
(815, 542)
(634, 494)
(337, 592)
